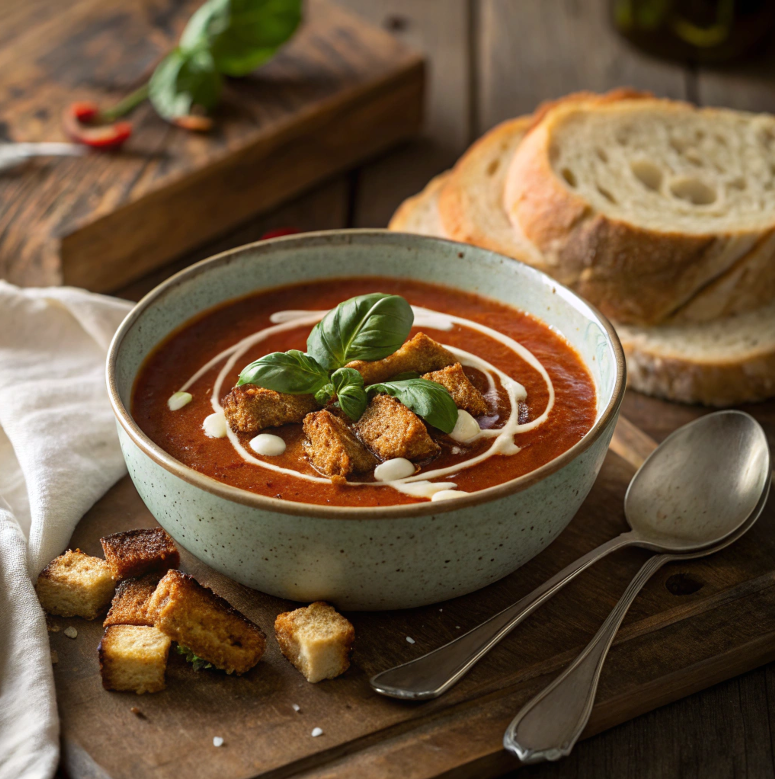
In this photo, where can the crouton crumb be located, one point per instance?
(333, 448)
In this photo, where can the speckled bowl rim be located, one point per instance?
(237, 495)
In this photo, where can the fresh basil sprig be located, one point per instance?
(292, 372)
(241, 34)
(367, 327)
(427, 399)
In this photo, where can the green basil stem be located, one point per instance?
(129, 103)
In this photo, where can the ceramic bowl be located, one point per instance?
(374, 558)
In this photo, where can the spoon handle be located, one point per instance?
(434, 673)
(549, 725)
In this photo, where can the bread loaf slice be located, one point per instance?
(420, 213)
(642, 203)
(721, 363)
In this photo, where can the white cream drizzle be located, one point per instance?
(418, 485)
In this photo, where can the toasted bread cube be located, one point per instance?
(75, 585)
(390, 430)
(420, 354)
(133, 658)
(316, 639)
(137, 552)
(130, 603)
(465, 395)
(205, 623)
(250, 409)
(333, 448)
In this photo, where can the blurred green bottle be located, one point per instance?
(702, 31)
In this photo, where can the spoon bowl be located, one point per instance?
(700, 485)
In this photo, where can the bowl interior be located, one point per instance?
(365, 253)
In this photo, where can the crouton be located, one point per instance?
(333, 448)
(420, 354)
(465, 395)
(205, 623)
(133, 658)
(137, 552)
(390, 430)
(130, 603)
(75, 585)
(249, 409)
(316, 639)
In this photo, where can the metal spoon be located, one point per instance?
(718, 459)
(549, 725)
(13, 154)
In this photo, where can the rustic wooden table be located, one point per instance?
(493, 59)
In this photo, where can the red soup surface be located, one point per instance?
(187, 350)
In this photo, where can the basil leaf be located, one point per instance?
(182, 81)
(325, 394)
(427, 399)
(292, 372)
(348, 384)
(368, 327)
(242, 34)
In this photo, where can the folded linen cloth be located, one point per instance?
(59, 453)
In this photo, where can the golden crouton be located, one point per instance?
(133, 658)
(249, 409)
(130, 603)
(75, 585)
(333, 448)
(420, 354)
(205, 623)
(136, 552)
(316, 639)
(465, 395)
(390, 430)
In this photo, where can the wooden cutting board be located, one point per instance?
(694, 625)
(339, 92)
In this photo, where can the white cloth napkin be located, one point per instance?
(59, 453)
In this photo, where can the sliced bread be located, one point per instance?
(642, 203)
(721, 363)
(420, 213)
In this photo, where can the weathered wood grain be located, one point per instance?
(676, 640)
(339, 92)
(445, 36)
(530, 52)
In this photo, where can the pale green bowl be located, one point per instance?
(379, 558)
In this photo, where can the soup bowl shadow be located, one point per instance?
(364, 558)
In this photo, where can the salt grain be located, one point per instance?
(457, 627)
(317, 732)
(217, 741)
(296, 707)
(71, 632)
(410, 640)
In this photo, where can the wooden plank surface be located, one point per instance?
(339, 92)
(677, 639)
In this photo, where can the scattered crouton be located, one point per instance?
(420, 354)
(130, 603)
(133, 658)
(137, 552)
(205, 623)
(465, 395)
(250, 409)
(390, 430)
(333, 448)
(316, 639)
(75, 585)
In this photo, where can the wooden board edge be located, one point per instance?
(380, 114)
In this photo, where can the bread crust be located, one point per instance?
(419, 214)
(633, 274)
(134, 553)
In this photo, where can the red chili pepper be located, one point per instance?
(279, 232)
(81, 123)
